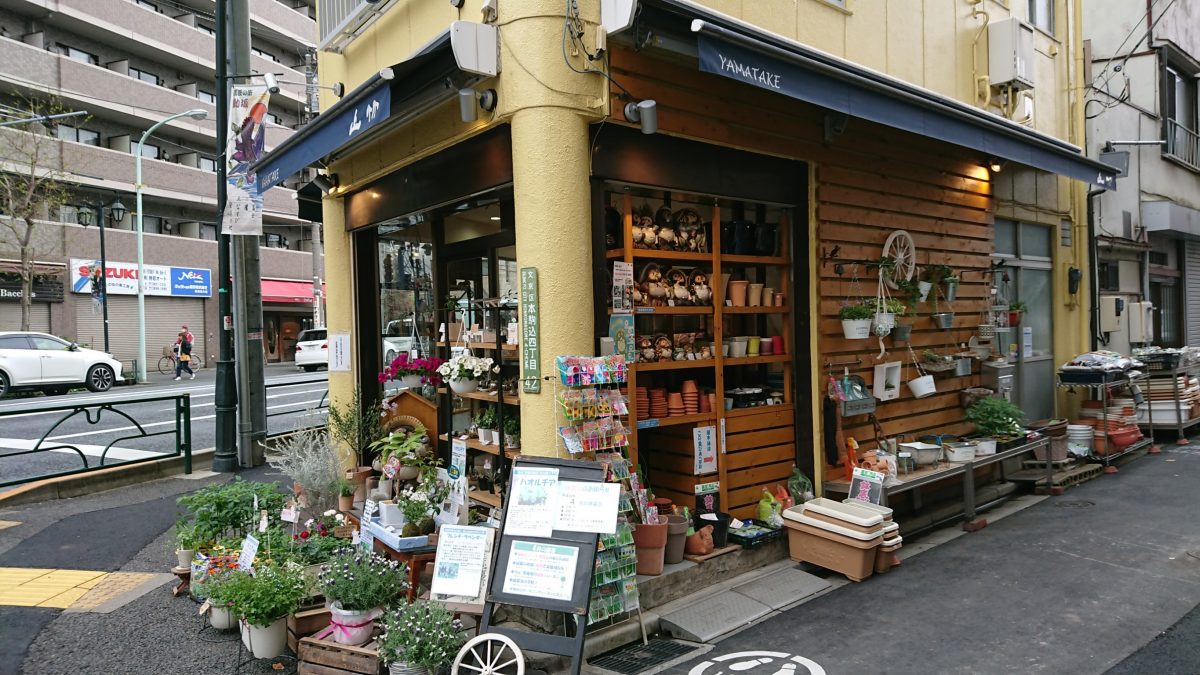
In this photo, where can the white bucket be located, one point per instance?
(856, 329)
(268, 642)
(922, 386)
(351, 628)
(220, 618)
(985, 446)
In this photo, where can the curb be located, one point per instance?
(77, 485)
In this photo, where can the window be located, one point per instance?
(13, 342)
(1026, 277)
(1159, 258)
(208, 164)
(149, 150)
(68, 214)
(47, 343)
(85, 136)
(78, 54)
(1167, 317)
(1110, 276)
(206, 96)
(265, 55)
(143, 75)
(151, 224)
(206, 29)
(1041, 14)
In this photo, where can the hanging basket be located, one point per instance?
(922, 386)
(987, 330)
(943, 320)
(883, 323)
(902, 332)
(856, 329)
(951, 290)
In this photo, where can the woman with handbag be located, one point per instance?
(183, 356)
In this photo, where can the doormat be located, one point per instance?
(638, 658)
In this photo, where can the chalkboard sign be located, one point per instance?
(552, 572)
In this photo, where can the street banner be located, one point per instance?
(247, 136)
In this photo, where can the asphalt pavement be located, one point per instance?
(141, 420)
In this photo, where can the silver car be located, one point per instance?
(40, 361)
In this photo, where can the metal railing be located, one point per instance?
(1183, 144)
(323, 404)
(340, 21)
(95, 414)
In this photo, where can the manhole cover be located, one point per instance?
(1075, 504)
(638, 658)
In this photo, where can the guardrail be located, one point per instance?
(300, 408)
(95, 414)
(1183, 144)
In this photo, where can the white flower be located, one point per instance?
(309, 523)
(330, 512)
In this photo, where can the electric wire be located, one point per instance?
(1125, 93)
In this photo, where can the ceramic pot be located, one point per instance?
(485, 436)
(391, 515)
(221, 618)
(677, 527)
(737, 347)
(345, 502)
(768, 296)
(737, 293)
(651, 542)
(856, 329)
(351, 628)
(184, 557)
(1014, 319)
(754, 296)
(410, 382)
(267, 642)
(883, 323)
(779, 299)
(464, 386)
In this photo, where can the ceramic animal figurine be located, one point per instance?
(645, 349)
(645, 223)
(687, 224)
(679, 287)
(655, 286)
(700, 543)
(663, 349)
(701, 291)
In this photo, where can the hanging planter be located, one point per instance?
(924, 287)
(987, 330)
(943, 320)
(922, 385)
(856, 321)
(902, 332)
(884, 307)
(883, 323)
(951, 289)
(1015, 311)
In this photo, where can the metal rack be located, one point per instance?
(1103, 387)
(1174, 374)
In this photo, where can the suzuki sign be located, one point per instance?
(160, 279)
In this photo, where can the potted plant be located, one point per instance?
(884, 315)
(856, 320)
(358, 584)
(512, 433)
(406, 450)
(263, 600)
(995, 418)
(186, 543)
(356, 425)
(215, 587)
(309, 457)
(485, 422)
(412, 373)
(1016, 310)
(912, 294)
(942, 275)
(421, 638)
(464, 372)
(345, 490)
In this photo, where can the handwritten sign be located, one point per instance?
(866, 486)
(704, 443)
(532, 505)
(622, 291)
(587, 507)
(531, 345)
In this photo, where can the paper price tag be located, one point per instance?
(204, 607)
(288, 515)
(262, 521)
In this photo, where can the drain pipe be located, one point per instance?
(1093, 264)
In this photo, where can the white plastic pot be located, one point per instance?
(268, 642)
(924, 287)
(985, 446)
(464, 386)
(922, 386)
(856, 329)
(410, 382)
(485, 436)
(221, 618)
(351, 628)
(184, 557)
(391, 515)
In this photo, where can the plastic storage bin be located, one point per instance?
(848, 515)
(831, 546)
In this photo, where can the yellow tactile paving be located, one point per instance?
(109, 587)
(41, 587)
(5, 524)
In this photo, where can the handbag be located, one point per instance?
(185, 358)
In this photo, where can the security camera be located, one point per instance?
(272, 83)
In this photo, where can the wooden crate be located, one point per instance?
(304, 623)
(326, 657)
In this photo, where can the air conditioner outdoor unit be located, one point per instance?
(1141, 322)
(1010, 54)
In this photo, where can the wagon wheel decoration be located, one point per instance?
(489, 654)
(900, 248)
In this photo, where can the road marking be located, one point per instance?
(168, 422)
(201, 390)
(766, 663)
(80, 590)
(271, 396)
(5, 524)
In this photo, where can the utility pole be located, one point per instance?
(225, 457)
(310, 95)
(252, 411)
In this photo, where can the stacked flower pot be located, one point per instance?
(846, 537)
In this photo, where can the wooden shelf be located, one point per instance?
(654, 423)
(702, 309)
(479, 345)
(617, 254)
(754, 310)
(491, 449)
(756, 410)
(674, 365)
(484, 396)
(485, 498)
(754, 259)
(756, 360)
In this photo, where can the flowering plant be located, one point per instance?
(264, 595)
(403, 365)
(361, 581)
(467, 366)
(316, 543)
(423, 634)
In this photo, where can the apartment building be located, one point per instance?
(1143, 114)
(129, 64)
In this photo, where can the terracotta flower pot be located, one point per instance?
(737, 293)
(345, 502)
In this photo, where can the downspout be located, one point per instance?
(976, 78)
(1094, 276)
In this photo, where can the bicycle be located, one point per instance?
(166, 363)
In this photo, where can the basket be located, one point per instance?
(987, 331)
(1089, 376)
(1161, 361)
(862, 406)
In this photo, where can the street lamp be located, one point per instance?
(116, 211)
(196, 114)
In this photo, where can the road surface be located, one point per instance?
(294, 399)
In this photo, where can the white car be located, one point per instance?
(40, 361)
(312, 349)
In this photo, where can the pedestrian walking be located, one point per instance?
(183, 355)
(187, 334)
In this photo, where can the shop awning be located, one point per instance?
(279, 290)
(388, 98)
(739, 51)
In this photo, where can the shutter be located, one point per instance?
(39, 317)
(163, 318)
(1191, 293)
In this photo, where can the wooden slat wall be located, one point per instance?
(870, 181)
(760, 452)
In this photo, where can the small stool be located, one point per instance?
(185, 580)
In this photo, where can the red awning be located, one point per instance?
(275, 290)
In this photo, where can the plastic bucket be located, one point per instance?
(720, 527)
(677, 527)
(856, 329)
(922, 386)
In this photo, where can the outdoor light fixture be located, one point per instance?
(327, 182)
(644, 113)
(996, 164)
(467, 99)
(1074, 276)
(272, 83)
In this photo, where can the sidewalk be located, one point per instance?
(209, 372)
(1073, 584)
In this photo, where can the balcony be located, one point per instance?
(1183, 145)
(93, 88)
(340, 21)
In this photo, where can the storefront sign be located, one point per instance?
(531, 348)
(244, 204)
(462, 553)
(43, 291)
(540, 570)
(122, 279)
(704, 444)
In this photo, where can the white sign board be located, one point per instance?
(704, 442)
(540, 570)
(462, 554)
(587, 507)
(530, 510)
(249, 550)
(339, 352)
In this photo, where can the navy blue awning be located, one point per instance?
(738, 51)
(387, 98)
